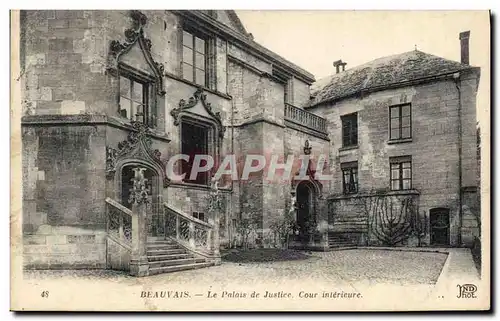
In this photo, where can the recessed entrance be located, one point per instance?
(440, 226)
(305, 209)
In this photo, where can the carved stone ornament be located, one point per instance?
(132, 36)
(307, 148)
(198, 96)
(137, 146)
(139, 191)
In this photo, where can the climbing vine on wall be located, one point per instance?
(393, 220)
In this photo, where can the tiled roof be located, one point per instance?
(382, 73)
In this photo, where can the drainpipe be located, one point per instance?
(456, 77)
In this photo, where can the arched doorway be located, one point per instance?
(440, 226)
(155, 220)
(305, 209)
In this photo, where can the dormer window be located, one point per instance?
(139, 78)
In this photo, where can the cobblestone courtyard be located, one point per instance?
(378, 278)
(347, 266)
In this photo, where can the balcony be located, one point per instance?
(305, 121)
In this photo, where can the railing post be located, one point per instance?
(177, 227)
(210, 240)
(191, 234)
(121, 235)
(216, 238)
(139, 198)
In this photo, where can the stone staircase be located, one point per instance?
(341, 239)
(350, 223)
(166, 256)
(347, 230)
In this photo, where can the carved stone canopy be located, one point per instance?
(187, 107)
(137, 146)
(135, 35)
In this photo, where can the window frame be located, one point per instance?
(209, 57)
(400, 161)
(400, 122)
(209, 146)
(351, 168)
(148, 93)
(198, 214)
(353, 134)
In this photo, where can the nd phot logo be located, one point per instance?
(466, 291)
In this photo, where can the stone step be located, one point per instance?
(165, 252)
(340, 242)
(331, 246)
(159, 242)
(340, 237)
(159, 239)
(177, 262)
(153, 246)
(153, 258)
(349, 217)
(175, 268)
(349, 228)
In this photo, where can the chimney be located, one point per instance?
(464, 47)
(337, 64)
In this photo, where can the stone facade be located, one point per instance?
(72, 122)
(442, 123)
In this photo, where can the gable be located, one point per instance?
(135, 58)
(230, 19)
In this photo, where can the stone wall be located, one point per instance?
(300, 92)
(63, 195)
(64, 62)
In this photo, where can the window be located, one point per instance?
(195, 141)
(400, 121)
(349, 177)
(198, 53)
(349, 130)
(199, 215)
(135, 99)
(400, 173)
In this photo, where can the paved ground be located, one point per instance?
(378, 279)
(347, 266)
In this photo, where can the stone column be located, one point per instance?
(139, 199)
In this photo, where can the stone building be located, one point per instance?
(106, 93)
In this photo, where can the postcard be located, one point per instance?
(225, 160)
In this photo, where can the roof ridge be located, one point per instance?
(382, 72)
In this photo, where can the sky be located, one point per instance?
(314, 39)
